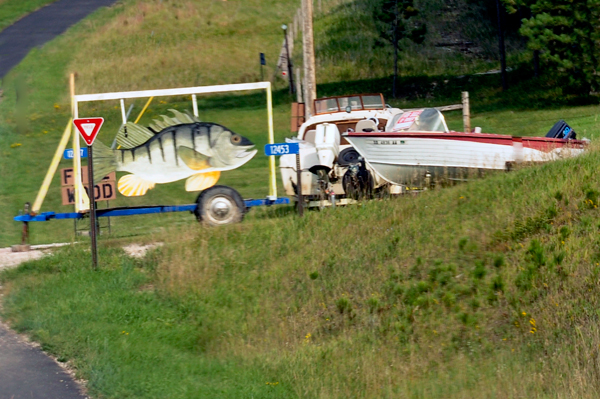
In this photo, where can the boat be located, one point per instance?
(419, 151)
(329, 163)
(357, 146)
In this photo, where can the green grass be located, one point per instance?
(114, 322)
(486, 289)
(30, 132)
(13, 10)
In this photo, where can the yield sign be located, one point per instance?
(88, 128)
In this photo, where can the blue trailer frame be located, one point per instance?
(138, 210)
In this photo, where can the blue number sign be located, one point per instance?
(282, 149)
(68, 154)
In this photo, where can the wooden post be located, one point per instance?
(308, 49)
(92, 196)
(290, 67)
(298, 86)
(81, 199)
(501, 47)
(37, 204)
(466, 112)
(299, 186)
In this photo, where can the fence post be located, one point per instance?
(466, 112)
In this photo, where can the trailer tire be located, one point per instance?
(220, 205)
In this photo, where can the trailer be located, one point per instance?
(213, 207)
(216, 205)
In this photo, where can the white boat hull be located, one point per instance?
(418, 159)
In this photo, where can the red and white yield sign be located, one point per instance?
(88, 128)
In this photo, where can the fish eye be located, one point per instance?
(235, 139)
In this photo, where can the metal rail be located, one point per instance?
(142, 210)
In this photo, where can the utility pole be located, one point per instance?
(502, 47)
(289, 60)
(395, 25)
(308, 48)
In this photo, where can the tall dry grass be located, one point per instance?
(487, 289)
(162, 44)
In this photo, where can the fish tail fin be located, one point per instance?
(105, 160)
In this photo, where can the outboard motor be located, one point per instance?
(327, 141)
(357, 181)
(561, 130)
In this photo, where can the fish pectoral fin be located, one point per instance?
(193, 159)
(134, 186)
(202, 181)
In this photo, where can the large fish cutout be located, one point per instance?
(184, 148)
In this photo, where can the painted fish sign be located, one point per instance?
(172, 149)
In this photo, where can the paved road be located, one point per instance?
(26, 372)
(40, 27)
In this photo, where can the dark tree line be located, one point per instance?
(562, 35)
(566, 35)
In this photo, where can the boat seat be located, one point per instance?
(366, 125)
(310, 136)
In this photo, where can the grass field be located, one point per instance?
(13, 10)
(377, 300)
(486, 289)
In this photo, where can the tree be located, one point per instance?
(394, 22)
(566, 34)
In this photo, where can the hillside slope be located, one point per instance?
(486, 289)
(158, 44)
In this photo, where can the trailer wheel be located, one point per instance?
(220, 205)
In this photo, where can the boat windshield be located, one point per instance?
(354, 103)
(421, 120)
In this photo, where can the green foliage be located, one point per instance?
(499, 261)
(394, 20)
(388, 299)
(535, 253)
(479, 271)
(566, 35)
(343, 305)
(497, 284)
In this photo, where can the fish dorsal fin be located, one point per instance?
(178, 118)
(184, 117)
(193, 159)
(131, 135)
